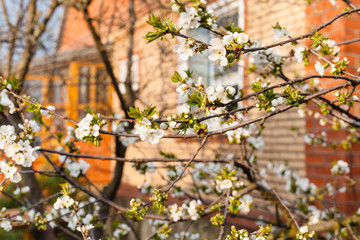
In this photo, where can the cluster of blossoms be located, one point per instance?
(6, 225)
(120, 127)
(235, 136)
(64, 201)
(313, 139)
(86, 127)
(147, 131)
(340, 167)
(85, 213)
(189, 19)
(294, 182)
(319, 68)
(301, 53)
(175, 171)
(257, 142)
(18, 148)
(262, 59)
(193, 209)
(185, 48)
(196, 16)
(246, 204)
(6, 102)
(280, 32)
(220, 93)
(23, 190)
(121, 231)
(222, 185)
(75, 168)
(69, 135)
(218, 47)
(304, 233)
(46, 112)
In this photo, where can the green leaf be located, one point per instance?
(134, 113)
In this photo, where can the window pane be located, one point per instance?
(84, 85)
(55, 92)
(101, 86)
(200, 60)
(33, 88)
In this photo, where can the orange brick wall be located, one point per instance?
(319, 159)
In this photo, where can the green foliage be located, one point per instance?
(139, 115)
(234, 204)
(168, 155)
(159, 198)
(218, 219)
(294, 96)
(137, 211)
(231, 28)
(161, 28)
(165, 230)
(237, 234)
(317, 39)
(10, 84)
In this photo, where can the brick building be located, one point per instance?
(79, 76)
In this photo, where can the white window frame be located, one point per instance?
(135, 73)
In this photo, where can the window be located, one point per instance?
(55, 92)
(229, 11)
(101, 86)
(123, 67)
(87, 87)
(33, 87)
(84, 85)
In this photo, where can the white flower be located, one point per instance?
(46, 112)
(241, 38)
(95, 130)
(189, 19)
(333, 2)
(299, 53)
(6, 225)
(275, 56)
(5, 101)
(85, 228)
(260, 60)
(7, 170)
(231, 90)
(303, 184)
(85, 128)
(64, 202)
(277, 101)
(246, 204)
(223, 185)
(319, 68)
(50, 221)
(211, 94)
(301, 112)
(280, 33)
(257, 142)
(192, 209)
(149, 135)
(218, 54)
(303, 229)
(174, 6)
(176, 212)
(15, 178)
(341, 167)
(184, 48)
(122, 230)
